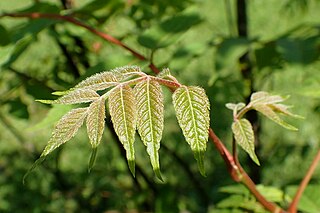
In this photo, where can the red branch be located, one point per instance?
(304, 183)
(74, 21)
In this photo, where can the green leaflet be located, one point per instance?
(267, 110)
(95, 121)
(65, 129)
(262, 97)
(244, 136)
(74, 97)
(150, 123)
(192, 110)
(122, 106)
(125, 72)
(99, 81)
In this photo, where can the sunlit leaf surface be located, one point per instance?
(122, 106)
(192, 110)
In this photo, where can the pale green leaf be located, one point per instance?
(244, 136)
(267, 111)
(65, 129)
(99, 81)
(122, 106)
(95, 121)
(74, 97)
(150, 123)
(192, 110)
(282, 108)
(265, 98)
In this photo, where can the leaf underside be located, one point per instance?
(65, 129)
(244, 136)
(192, 110)
(95, 121)
(150, 123)
(99, 81)
(122, 106)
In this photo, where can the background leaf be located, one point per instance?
(192, 110)
(244, 136)
(122, 106)
(150, 123)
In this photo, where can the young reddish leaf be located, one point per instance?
(150, 123)
(122, 106)
(262, 97)
(65, 129)
(244, 136)
(192, 110)
(75, 97)
(95, 121)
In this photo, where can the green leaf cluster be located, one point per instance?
(135, 102)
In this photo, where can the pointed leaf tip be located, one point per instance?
(132, 167)
(34, 165)
(158, 174)
(199, 156)
(92, 159)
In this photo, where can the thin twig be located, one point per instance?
(239, 175)
(293, 206)
(70, 19)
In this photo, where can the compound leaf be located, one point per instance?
(244, 136)
(192, 110)
(122, 106)
(65, 129)
(150, 123)
(74, 97)
(95, 121)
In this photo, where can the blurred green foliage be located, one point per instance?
(196, 41)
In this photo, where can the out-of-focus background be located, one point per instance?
(230, 47)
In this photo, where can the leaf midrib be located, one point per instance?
(193, 118)
(124, 114)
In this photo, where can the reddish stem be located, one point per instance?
(239, 175)
(293, 206)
